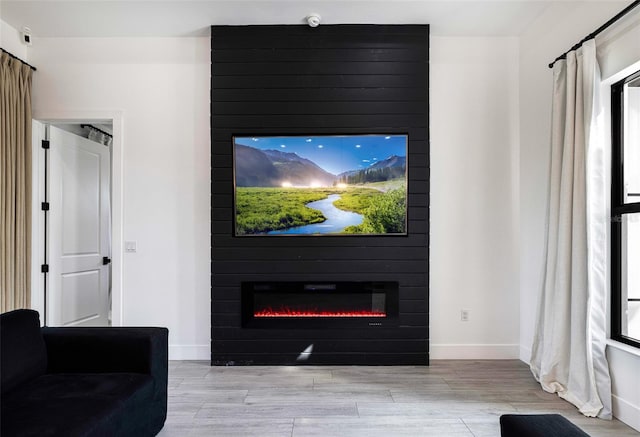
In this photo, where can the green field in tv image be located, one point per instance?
(320, 185)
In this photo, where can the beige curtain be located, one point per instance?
(568, 352)
(15, 184)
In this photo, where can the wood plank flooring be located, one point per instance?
(448, 398)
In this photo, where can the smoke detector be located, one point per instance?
(313, 20)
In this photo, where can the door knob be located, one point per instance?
(106, 260)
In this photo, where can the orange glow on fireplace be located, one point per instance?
(288, 312)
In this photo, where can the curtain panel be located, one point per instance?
(568, 353)
(15, 183)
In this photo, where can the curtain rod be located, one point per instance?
(17, 58)
(599, 30)
(90, 126)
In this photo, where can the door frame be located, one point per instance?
(117, 198)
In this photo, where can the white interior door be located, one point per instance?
(79, 269)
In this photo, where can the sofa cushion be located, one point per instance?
(78, 405)
(23, 354)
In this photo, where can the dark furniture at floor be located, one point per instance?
(538, 425)
(81, 382)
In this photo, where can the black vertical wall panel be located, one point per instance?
(297, 80)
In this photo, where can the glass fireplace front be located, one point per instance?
(319, 304)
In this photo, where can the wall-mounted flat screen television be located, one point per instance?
(320, 185)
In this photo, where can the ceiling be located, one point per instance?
(170, 18)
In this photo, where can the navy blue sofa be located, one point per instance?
(81, 382)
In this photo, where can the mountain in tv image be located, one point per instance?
(394, 167)
(269, 168)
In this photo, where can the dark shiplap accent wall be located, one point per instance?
(296, 80)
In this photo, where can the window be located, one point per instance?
(625, 210)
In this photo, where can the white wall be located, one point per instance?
(474, 197)
(161, 88)
(551, 34)
(11, 40)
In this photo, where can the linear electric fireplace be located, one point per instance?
(302, 122)
(319, 304)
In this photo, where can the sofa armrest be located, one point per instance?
(107, 350)
(114, 350)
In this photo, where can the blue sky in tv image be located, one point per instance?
(334, 153)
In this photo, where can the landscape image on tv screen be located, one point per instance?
(320, 185)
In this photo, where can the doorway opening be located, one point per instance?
(76, 221)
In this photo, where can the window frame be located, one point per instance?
(618, 207)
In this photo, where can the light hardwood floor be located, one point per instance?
(448, 398)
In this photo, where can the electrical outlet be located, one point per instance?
(464, 315)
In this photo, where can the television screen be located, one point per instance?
(320, 185)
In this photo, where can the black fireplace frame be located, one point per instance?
(337, 80)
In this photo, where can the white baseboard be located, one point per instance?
(626, 412)
(474, 351)
(525, 354)
(190, 352)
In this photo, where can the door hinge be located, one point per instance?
(44, 268)
(44, 206)
(45, 144)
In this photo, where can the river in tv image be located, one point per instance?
(336, 219)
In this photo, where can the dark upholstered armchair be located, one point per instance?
(81, 381)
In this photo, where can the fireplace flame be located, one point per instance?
(288, 312)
